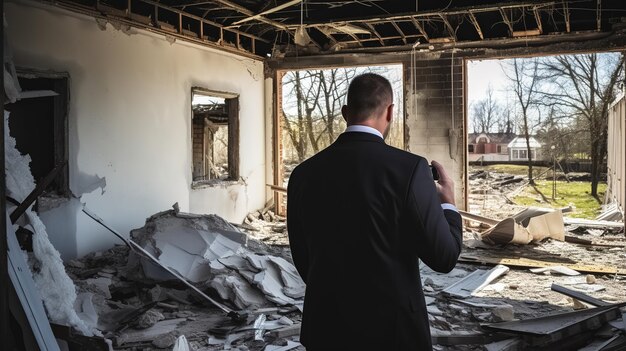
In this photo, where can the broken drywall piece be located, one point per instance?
(556, 269)
(475, 281)
(531, 224)
(238, 290)
(55, 286)
(186, 244)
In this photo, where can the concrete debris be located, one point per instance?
(149, 319)
(166, 340)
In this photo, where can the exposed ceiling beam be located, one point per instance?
(538, 19)
(395, 25)
(203, 20)
(373, 30)
(236, 7)
(448, 26)
(505, 18)
(566, 13)
(419, 27)
(267, 12)
(599, 14)
(427, 15)
(476, 25)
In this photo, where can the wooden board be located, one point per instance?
(530, 263)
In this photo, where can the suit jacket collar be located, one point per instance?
(359, 136)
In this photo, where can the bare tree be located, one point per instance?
(485, 113)
(585, 85)
(522, 73)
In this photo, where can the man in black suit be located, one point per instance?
(359, 214)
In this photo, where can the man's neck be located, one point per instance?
(362, 128)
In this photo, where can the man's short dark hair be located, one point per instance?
(367, 93)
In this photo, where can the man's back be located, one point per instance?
(359, 214)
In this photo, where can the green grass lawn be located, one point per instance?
(576, 194)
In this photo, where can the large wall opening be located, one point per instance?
(309, 114)
(537, 132)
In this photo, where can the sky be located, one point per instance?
(481, 74)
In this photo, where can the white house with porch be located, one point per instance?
(518, 151)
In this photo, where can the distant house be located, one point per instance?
(489, 146)
(518, 151)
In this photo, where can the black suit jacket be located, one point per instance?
(360, 213)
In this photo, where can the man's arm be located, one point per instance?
(297, 242)
(439, 246)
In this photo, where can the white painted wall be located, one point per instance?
(130, 122)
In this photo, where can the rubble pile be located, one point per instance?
(137, 303)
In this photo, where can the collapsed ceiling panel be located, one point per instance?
(309, 27)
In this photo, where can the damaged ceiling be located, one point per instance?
(311, 27)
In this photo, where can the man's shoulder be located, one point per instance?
(395, 154)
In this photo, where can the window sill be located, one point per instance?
(213, 183)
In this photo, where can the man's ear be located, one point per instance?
(389, 113)
(344, 112)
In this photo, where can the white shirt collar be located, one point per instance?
(363, 129)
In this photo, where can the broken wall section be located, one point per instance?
(129, 122)
(435, 126)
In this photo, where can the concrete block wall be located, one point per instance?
(435, 114)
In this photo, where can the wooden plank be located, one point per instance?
(233, 138)
(277, 188)
(477, 218)
(531, 263)
(267, 12)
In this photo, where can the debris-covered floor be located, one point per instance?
(197, 282)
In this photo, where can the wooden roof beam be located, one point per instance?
(566, 14)
(419, 27)
(505, 18)
(373, 30)
(236, 7)
(476, 25)
(448, 26)
(395, 25)
(538, 19)
(267, 12)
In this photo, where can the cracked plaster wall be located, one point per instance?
(129, 122)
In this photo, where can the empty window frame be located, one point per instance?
(39, 124)
(214, 136)
(470, 148)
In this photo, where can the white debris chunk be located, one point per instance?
(55, 286)
(181, 344)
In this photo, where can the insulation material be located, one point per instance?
(57, 289)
